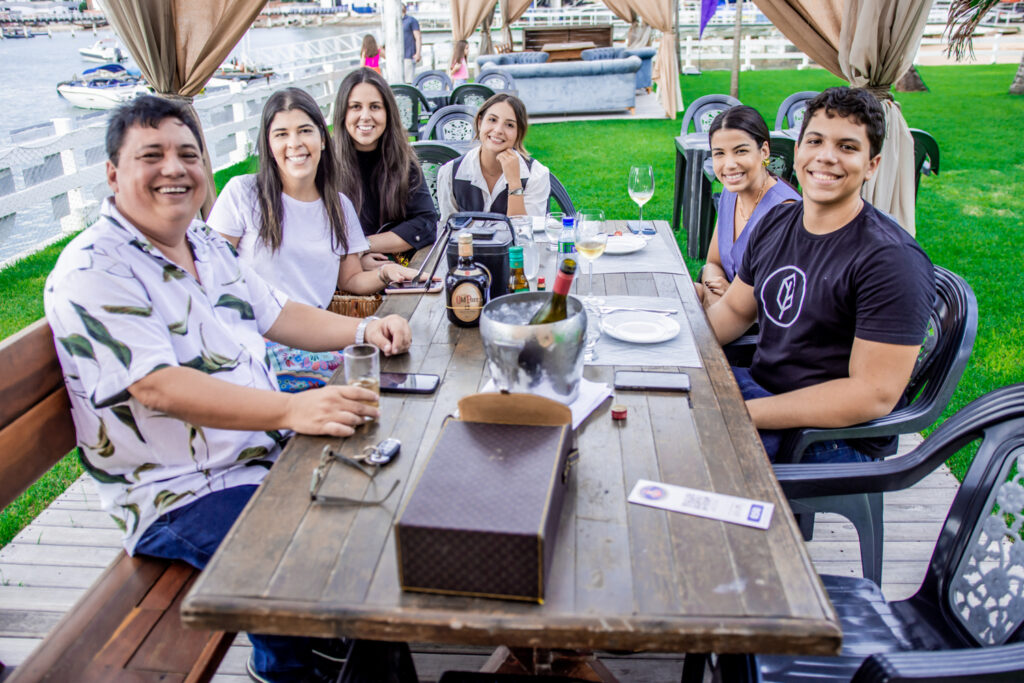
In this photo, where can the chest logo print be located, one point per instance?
(782, 295)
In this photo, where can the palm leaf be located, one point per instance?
(963, 18)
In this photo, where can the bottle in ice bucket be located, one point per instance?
(555, 309)
(567, 240)
(517, 280)
(467, 286)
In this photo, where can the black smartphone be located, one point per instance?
(408, 383)
(652, 381)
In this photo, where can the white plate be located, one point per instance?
(624, 244)
(640, 327)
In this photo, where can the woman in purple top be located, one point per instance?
(739, 153)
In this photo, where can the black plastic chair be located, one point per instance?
(703, 110)
(561, 197)
(926, 156)
(432, 156)
(411, 104)
(954, 321)
(471, 94)
(453, 123)
(791, 111)
(965, 623)
(436, 86)
(496, 79)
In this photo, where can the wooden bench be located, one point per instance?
(128, 626)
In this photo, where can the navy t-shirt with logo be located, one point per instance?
(815, 293)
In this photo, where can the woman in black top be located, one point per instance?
(378, 168)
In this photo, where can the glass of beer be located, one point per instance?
(362, 369)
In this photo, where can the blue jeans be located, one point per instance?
(191, 534)
(835, 450)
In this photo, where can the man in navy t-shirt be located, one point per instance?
(411, 42)
(840, 292)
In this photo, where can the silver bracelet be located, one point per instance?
(361, 329)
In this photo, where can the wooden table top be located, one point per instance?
(624, 576)
(563, 52)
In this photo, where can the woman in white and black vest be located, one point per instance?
(498, 176)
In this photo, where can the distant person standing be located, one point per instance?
(458, 69)
(370, 53)
(412, 40)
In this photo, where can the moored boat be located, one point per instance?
(104, 50)
(102, 87)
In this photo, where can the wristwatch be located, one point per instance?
(361, 329)
(516, 192)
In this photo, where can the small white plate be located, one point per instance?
(640, 327)
(624, 244)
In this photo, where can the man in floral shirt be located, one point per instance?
(159, 331)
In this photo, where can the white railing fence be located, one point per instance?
(53, 185)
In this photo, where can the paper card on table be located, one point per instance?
(732, 509)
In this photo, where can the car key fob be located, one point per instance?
(386, 451)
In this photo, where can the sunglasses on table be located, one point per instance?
(368, 462)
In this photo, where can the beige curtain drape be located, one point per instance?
(178, 44)
(658, 14)
(639, 33)
(467, 15)
(870, 43)
(511, 10)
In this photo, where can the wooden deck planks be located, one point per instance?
(51, 562)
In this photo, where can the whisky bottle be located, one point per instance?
(555, 309)
(467, 286)
(517, 280)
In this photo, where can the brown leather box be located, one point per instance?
(482, 518)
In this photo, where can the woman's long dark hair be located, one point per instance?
(397, 158)
(268, 181)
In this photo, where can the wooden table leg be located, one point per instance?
(542, 662)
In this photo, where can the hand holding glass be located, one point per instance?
(641, 186)
(362, 369)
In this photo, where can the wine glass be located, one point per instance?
(591, 241)
(553, 228)
(641, 187)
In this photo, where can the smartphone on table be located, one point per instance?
(408, 383)
(652, 381)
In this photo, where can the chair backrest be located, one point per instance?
(471, 94)
(496, 79)
(433, 80)
(973, 583)
(561, 197)
(791, 111)
(926, 156)
(432, 156)
(703, 110)
(454, 122)
(780, 158)
(952, 326)
(409, 100)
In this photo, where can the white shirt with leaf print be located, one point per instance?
(120, 310)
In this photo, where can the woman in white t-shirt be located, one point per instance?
(294, 227)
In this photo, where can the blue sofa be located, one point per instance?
(576, 87)
(527, 57)
(646, 55)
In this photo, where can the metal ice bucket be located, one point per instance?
(546, 360)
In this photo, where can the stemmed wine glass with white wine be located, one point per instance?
(591, 241)
(641, 187)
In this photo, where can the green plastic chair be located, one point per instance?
(926, 156)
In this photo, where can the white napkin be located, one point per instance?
(592, 394)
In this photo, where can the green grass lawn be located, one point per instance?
(970, 218)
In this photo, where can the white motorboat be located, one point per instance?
(103, 87)
(105, 51)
